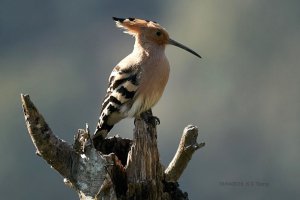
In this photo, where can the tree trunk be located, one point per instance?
(114, 168)
(144, 171)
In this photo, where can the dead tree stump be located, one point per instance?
(146, 182)
(115, 168)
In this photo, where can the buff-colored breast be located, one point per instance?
(154, 77)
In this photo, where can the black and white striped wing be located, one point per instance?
(123, 83)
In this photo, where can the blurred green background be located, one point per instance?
(244, 95)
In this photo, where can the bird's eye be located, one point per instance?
(158, 33)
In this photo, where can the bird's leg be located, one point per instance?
(149, 118)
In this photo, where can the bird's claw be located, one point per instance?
(150, 119)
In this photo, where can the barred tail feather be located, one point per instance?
(102, 130)
(110, 115)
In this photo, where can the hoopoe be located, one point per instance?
(138, 81)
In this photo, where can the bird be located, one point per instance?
(138, 81)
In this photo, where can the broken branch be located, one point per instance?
(187, 146)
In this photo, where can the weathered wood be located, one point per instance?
(55, 151)
(101, 171)
(85, 171)
(146, 182)
(187, 146)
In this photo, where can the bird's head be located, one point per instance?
(149, 31)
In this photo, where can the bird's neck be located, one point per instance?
(147, 49)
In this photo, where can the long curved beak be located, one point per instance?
(177, 44)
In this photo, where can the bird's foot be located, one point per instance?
(152, 120)
(149, 118)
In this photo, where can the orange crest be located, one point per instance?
(145, 29)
